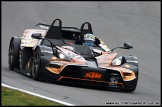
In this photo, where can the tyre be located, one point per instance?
(13, 54)
(36, 64)
(132, 88)
(129, 90)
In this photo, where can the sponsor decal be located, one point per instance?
(46, 51)
(68, 47)
(132, 61)
(56, 63)
(93, 75)
(44, 27)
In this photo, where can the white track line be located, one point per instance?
(38, 95)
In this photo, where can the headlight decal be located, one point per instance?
(62, 56)
(55, 67)
(117, 61)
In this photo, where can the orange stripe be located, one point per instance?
(89, 80)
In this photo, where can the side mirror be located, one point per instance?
(127, 46)
(36, 35)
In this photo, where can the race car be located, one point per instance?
(53, 52)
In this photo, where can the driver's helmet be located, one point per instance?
(88, 39)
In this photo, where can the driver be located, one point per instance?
(91, 40)
(88, 40)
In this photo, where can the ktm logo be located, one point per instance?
(93, 75)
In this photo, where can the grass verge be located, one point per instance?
(10, 97)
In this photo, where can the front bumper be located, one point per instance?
(88, 75)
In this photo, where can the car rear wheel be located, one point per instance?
(13, 54)
(36, 65)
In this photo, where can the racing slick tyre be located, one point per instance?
(36, 64)
(133, 87)
(13, 54)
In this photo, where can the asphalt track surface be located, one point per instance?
(114, 22)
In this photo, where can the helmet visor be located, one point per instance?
(89, 43)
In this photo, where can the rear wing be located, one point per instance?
(43, 26)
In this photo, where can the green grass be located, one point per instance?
(12, 97)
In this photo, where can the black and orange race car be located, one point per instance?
(52, 52)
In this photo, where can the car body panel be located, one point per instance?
(27, 40)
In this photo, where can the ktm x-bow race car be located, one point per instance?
(53, 52)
